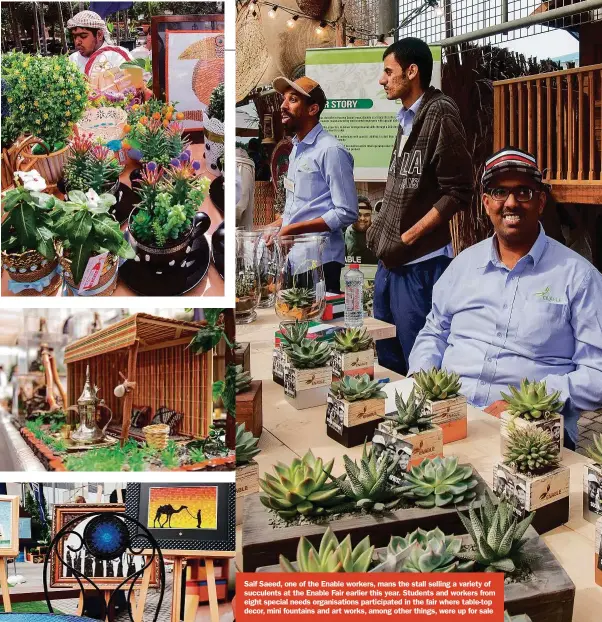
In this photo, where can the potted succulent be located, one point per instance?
(355, 405)
(307, 373)
(248, 401)
(85, 230)
(91, 165)
(291, 333)
(48, 95)
(165, 223)
(28, 253)
(592, 482)
(213, 122)
(531, 477)
(353, 353)
(532, 405)
(296, 303)
(247, 470)
(411, 424)
(443, 399)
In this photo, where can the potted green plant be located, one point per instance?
(443, 399)
(247, 470)
(592, 490)
(291, 332)
(353, 353)
(213, 122)
(28, 253)
(85, 229)
(48, 95)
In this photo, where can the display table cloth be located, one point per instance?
(46, 617)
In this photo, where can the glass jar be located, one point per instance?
(268, 264)
(300, 287)
(247, 276)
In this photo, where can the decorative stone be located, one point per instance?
(13, 269)
(22, 270)
(33, 268)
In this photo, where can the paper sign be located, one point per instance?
(93, 272)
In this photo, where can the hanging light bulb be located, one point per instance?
(320, 28)
(272, 12)
(291, 22)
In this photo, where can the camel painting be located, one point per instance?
(165, 512)
(182, 507)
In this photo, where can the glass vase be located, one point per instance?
(247, 277)
(300, 287)
(268, 264)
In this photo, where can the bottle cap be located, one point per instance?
(354, 266)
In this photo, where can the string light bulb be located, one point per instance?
(272, 12)
(320, 28)
(291, 22)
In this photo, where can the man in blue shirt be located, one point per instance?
(519, 304)
(320, 190)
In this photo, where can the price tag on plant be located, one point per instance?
(92, 273)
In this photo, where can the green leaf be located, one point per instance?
(79, 259)
(108, 230)
(80, 227)
(24, 220)
(45, 244)
(77, 196)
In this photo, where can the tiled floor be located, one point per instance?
(589, 423)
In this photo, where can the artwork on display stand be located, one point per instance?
(9, 525)
(25, 528)
(106, 573)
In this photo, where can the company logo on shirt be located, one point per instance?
(545, 295)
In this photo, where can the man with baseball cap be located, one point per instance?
(320, 190)
(518, 304)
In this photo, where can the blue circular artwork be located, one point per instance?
(106, 537)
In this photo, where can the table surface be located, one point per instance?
(212, 284)
(288, 433)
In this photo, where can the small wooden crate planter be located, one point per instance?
(350, 423)
(306, 388)
(554, 426)
(247, 483)
(597, 551)
(242, 356)
(592, 492)
(249, 408)
(451, 417)
(528, 494)
(263, 543)
(352, 363)
(152, 352)
(427, 444)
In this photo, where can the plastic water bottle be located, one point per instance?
(354, 297)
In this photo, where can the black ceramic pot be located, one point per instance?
(217, 242)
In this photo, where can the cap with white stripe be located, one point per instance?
(510, 159)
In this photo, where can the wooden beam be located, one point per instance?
(581, 145)
(549, 160)
(166, 344)
(129, 396)
(577, 192)
(592, 123)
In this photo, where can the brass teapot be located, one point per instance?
(87, 431)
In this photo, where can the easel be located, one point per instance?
(4, 585)
(10, 551)
(178, 564)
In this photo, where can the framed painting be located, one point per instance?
(194, 66)
(9, 525)
(160, 25)
(106, 574)
(185, 517)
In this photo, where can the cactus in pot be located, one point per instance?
(531, 450)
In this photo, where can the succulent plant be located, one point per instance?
(439, 482)
(243, 379)
(246, 444)
(368, 484)
(594, 451)
(410, 417)
(497, 536)
(531, 450)
(298, 297)
(437, 384)
(429, 551)
(295, 333)
(309, 354)
(352, 340)
(332, 556)
(246, 283)
(301, 488)
(533, 401)
(354, 388)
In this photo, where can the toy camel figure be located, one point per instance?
(168, 510)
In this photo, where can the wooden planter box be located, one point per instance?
(451, 417)
(306, 388)
(247, 483)
(352, 363)
(242, 356)
(554, 425)
(263, 543)
(249, 408)
(279, 360)
(592, 492)
(427, 444)
(351, 423)
(597, 564)
(528, 494)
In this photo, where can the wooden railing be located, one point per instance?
(557, 117)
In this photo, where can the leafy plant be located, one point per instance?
(85, 227)
(497, 536)
(130, 457)
(243, 379)
(298, 297)
(216, 108)
(531, 450)
(332, 556)
(438, 384)
(210, 333)
(594, 451)
(48, 94)
(246, 444)
(27, 224)
(438, 482)
(354, 388)
(309, 354)
(532, 402)
(367, 485)
(410, 417)
(91, 166)
(196, 455)
(352, 340)
(246, 283)
(215, 442)
(294, 334)
(429, 551)
(169, 456)
(300, 488)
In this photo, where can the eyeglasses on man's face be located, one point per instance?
(521, 193)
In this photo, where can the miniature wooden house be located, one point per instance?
(151, 352)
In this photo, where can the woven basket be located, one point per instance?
(49, 166)
(50, 290)
(156, 435)
(263, 211)
(108, 271)
(27, 267)
(252, 57)
(208, 48)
